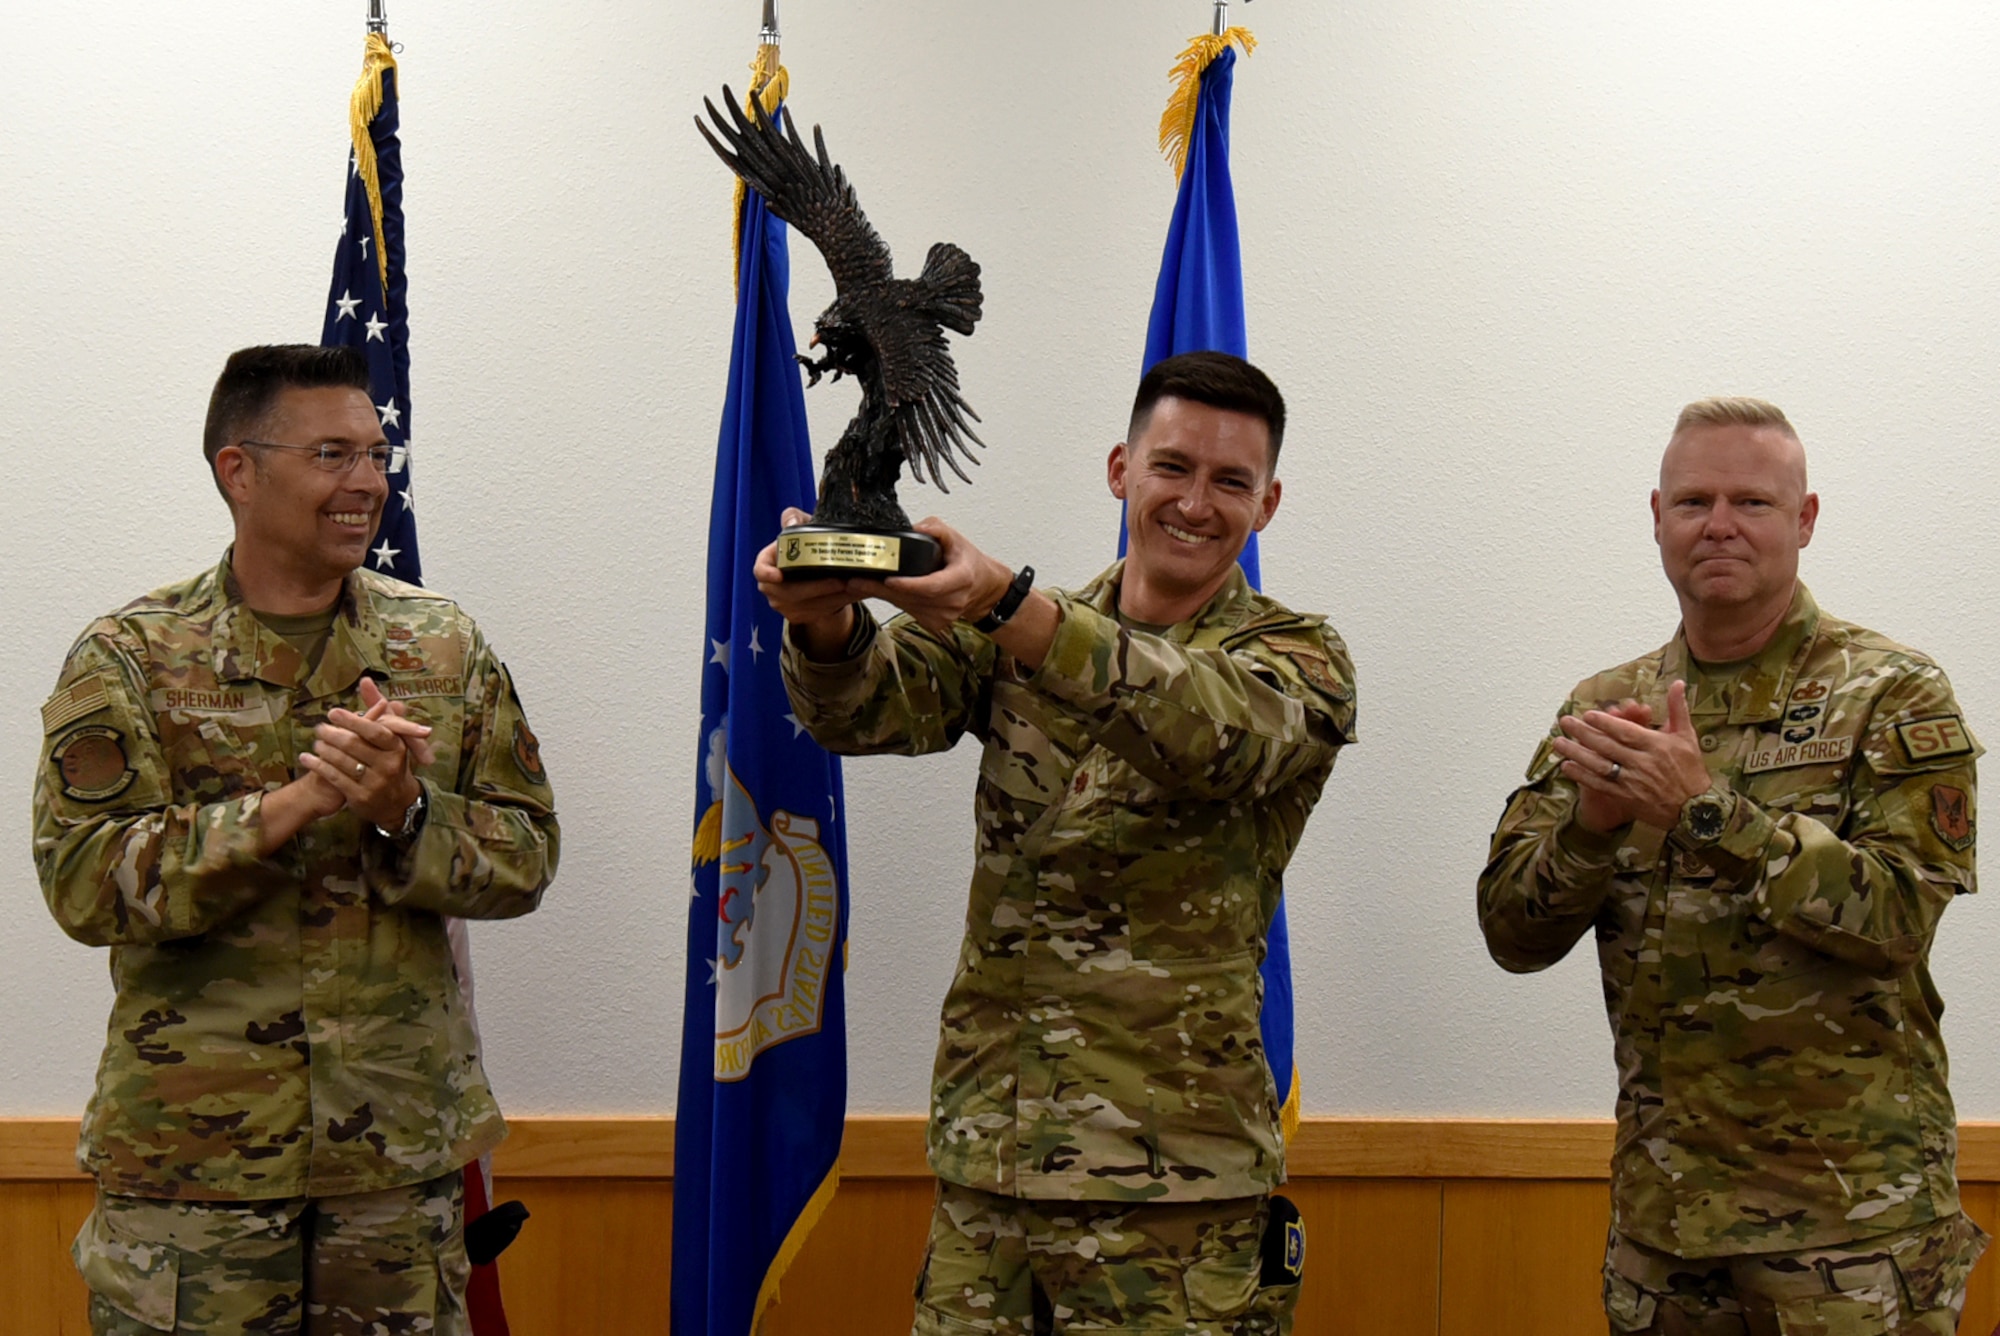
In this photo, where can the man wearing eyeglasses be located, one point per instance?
(264, 788)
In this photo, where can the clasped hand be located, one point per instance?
(367, 761)
(1626, 770)
(965, 587)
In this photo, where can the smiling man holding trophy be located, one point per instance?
(1104, 1125)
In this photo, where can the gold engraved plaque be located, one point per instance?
(853, 551)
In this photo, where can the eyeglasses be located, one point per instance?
(330, 458)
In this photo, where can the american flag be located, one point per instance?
(366, 306)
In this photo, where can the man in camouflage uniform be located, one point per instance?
(1105, 1127)
(264, 788)
(1761, 822)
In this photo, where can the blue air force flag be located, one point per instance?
(763, 1081)
(366, 305)
(1198, 307)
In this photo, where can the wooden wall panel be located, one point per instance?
(42, 1294)
(1523, 1257)
(593, 1257)
(858, 1270)
(1453, 1234)
(1982, 1300)
(1372, 1258)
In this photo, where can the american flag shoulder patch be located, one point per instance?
(82, 697)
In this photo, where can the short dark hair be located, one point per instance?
(1220, 380)
(253, 378)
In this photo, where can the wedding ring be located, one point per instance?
(1616, 770)
(361, 768)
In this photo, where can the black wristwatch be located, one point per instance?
(1010, 602)
(1704, 817)
(413, 816)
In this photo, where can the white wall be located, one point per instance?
(1491, 247)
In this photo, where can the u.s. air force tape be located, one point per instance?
(92, 763)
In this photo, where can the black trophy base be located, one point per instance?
(852, 551)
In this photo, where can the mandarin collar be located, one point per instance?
(245, 648)
(1760, 688)
(1228, 604)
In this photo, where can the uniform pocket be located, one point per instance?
(1832, 1315)
(139, 1279)
(1934, 1274)
(1630, 1307)
(1222, 1286)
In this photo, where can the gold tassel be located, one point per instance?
(362, 105)
(770, 84)
(1177, 122)
(1288, 1114)
(795, 1239)
(708, 836)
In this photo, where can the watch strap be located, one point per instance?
(413, 816)
(1010, 602)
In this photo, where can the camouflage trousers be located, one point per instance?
(1011, 1266)
(1908, 1283)
(386, 1263)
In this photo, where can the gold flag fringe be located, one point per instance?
(708, 836)
(795, 1239)
(362, 105)
(769, 83)
(1288, 1114)
(1177, 121)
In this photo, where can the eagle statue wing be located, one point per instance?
(921, 381)
(810, 193)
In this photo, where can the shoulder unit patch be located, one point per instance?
(1935, 739)
(92, 763)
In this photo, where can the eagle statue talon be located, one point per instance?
(814, 370)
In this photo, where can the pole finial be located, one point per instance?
(1221, 17)
(769, 35)
(378, 17)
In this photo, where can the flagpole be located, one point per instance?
(768, 36)
(378, 17)
(1221, 17)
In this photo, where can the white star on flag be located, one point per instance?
(385, 556)
(399, 457)
(755, 648)
(409, 502)
(375, 328)
(365, 239)
(347, 302)
(392, 416)
(711, 971)
(721, 654)
(797, 727)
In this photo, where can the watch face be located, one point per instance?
(1705, 818)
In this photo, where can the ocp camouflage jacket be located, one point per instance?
(1781, 1074)
(285, 1026)
(1139, 797)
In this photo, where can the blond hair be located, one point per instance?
(1733, 411)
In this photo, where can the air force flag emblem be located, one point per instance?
(778, 916)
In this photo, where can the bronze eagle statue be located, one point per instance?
(886, 332)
